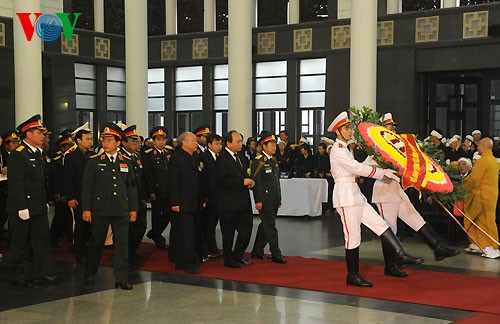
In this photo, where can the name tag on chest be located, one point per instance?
(268, 170)
(123, 167)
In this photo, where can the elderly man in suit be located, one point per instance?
(185, 202)
(233, 201)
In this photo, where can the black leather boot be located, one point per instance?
(441, 250)
(391, 268)
(402, 259)
(353, 276)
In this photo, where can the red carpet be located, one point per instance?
(442, 289)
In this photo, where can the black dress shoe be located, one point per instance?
(89, 280)
(394, 271)
(124, 285)
(22, 283)
(443, 251)
(232, 264)
(355, 279)
(161, 245)
(260, 257)
(278, 260)
(214, 255)
(245, 262)
(205, 259)
(46, 279)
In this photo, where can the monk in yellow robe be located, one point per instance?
(481, 200)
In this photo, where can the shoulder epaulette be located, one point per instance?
(168, 147)
(20, 148)
(96, 155)
(57, 158)
(124, 156)
(258, 157)
(71, 149)
(148, 150)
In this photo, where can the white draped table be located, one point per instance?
(301, 197)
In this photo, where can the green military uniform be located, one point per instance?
(268, 192)
(30, 238)
(110, 193)
(156, 176)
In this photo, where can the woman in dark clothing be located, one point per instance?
(250, 151)
(306, 163)
(284, 158)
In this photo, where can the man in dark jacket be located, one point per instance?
(233, 201)
(11, 141)
(74, 164)
(109, 197)
(185, 202)
(156, 160)
(209, 178)
(27, 209)
(267, 196)
(131, 145)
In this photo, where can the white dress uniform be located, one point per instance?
(392, 202)
(350, 203)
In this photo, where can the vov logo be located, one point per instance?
(48, 26)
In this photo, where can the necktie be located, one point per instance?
(238, 159)
(112, 159)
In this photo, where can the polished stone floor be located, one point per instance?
(171, 298)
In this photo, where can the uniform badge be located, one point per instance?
(123, 167)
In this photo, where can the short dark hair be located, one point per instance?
(80, 133)
(213, 137)
(228, 137)
(284, 132)
(305, 146)
(323, 145)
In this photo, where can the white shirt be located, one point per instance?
(202, 149)
(213, 154)
(33, 148)
(345, 168)
(112, 156)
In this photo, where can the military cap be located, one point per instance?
(64, 138)
(10, 136)
(265, 137)
(386, 119)
(34, 122)
(202, 131)
(339, 121)
(84, 128)
(131, 132)
(112, 129)
(158, 131)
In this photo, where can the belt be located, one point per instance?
(344, 179)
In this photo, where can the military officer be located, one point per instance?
(267, 196)
(61, 223)
(131, 146)
(392, 202)
(109, 197)
(353, 207)
(202, 134)
(74, 163)
(156, 161)
(27, 209)
(11, 141)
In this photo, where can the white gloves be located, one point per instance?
(24, 214)
(391, 174)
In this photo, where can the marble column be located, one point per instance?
(293, 11)
(27, 65)
(363, 78)
(99, 16)
(171, 17)
(136, 61)
(209, 15)
(240, 66)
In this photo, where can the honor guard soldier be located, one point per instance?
(267, 196)
(109, 197)
(131, 146)
(392, 202)
(62, 222)
(353, 207)
(74, 164)
(27, 209)
(11, 141)
(202, 134)
(156, 161)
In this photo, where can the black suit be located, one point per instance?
(185, 192)
(62, 222)
(74, 165)
(233, 205)
(210, 217)
(4, 157)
